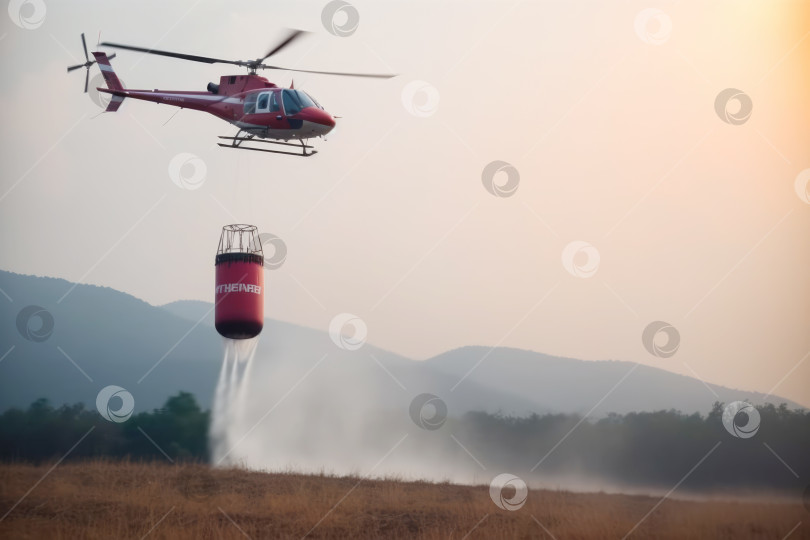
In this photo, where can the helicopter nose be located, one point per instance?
(318, 116)
(330, 120)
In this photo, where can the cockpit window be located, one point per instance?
(313, 100)
(291, 103)
(262, 105)
(295, 100)
(304, 99)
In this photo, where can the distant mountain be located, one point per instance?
(568, 385)
(114, 338)
(102, 336)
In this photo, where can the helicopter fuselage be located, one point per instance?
(251, 103)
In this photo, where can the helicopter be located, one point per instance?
(262, 111)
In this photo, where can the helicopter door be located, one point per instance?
(277, 115)
(263, 103)
(274, 104)
(269, 103)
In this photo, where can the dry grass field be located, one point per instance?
(114, 500)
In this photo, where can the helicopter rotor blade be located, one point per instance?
(250, 64)
(86, 79)
(181, 56)
(71, 68)
(84, 44)
(294, 34)
(110, 57)
(366, 75)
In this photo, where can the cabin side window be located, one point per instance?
(250, 103)
(264, 99)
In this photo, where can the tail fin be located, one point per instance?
(112, 81)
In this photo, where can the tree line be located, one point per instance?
(649, 449)
(646, 449)
(42, 432)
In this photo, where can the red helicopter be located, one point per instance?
(261, 110)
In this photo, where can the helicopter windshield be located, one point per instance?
(313, 100)
(305, 100)
(295, 100)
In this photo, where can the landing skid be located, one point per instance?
(236, 142)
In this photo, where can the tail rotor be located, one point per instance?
(86, 65)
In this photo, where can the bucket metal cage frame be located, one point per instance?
(240, 239)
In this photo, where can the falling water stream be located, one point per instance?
(230, 397)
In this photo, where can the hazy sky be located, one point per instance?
(606, 111)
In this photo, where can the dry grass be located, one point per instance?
(132, 500)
